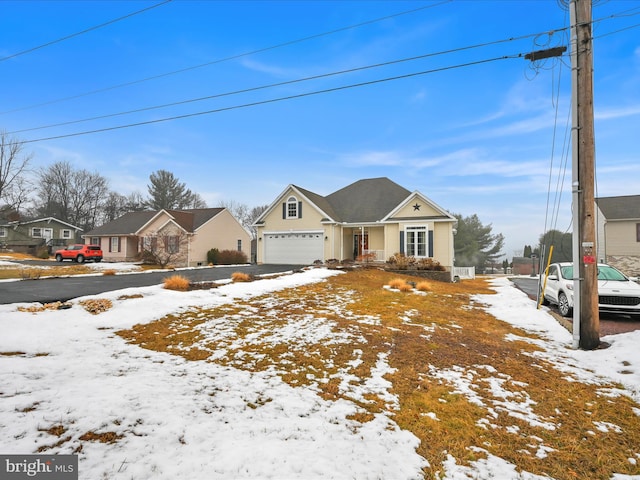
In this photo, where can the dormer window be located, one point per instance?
(292, 208)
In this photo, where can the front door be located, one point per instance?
(360, 243)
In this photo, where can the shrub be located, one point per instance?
(423, 286)
(97, 305)
(110, 271)
(147, 257)
(176, 282)
(241, 277)
(429, 264)
(405, 288)
(212, 256)
(401, 262)
(42, 252)
(397, 283)
(231, 257)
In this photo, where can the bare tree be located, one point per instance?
(164, 248)
(74, 196)
(245, 215)
(13, 166)
(254, 213)
(196, 201)
(116, 205)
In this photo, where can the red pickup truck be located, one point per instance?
(79, 253)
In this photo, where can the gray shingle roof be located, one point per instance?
(620, 208)
(131, 222)
(366, 200)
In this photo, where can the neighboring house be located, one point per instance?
(618, 232)
(525, 266)
(26, 236)
(370, 219)
(186, 234)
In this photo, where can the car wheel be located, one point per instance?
(80, 259)
(563, 305)
(58, 258)
(97, 260)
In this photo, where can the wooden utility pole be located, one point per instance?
(586, 320)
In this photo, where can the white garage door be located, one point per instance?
(295, 248)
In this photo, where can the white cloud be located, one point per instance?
(374, 158)
(613, 113)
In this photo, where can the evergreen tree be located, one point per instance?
(562, 245)
(166, 192)
(475, 245)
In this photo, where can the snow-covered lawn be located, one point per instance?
(164, 417)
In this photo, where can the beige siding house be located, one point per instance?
(618, 232)
(370, 219)
(187, 234)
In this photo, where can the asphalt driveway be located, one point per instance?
(48, 290)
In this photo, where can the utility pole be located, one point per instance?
(586, 320)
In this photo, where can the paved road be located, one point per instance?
(62, 289)
(610, 324)
(528, 285)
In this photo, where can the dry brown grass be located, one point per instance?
(397, 283)
(109, 272)
(16, 256)
(104, 437)
(47, 306)
(423, 336)
(423, 286)
(55, 270)
(176, 282)
(130, 297)
(96, 305)
(241, 277)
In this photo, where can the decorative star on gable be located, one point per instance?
(416, 206)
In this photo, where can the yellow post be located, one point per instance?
(546, 274)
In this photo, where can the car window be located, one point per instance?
(567, 272)
(610, 273)
(75, 247)
(93, 248)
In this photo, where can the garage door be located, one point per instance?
(295, 248)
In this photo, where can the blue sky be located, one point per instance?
(488, 138)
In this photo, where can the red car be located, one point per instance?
(79, 253)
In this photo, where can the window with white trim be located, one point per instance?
(3, 232)
(292, 207)
(37, 232)
(239, 244)
(416, 241)
(65, 233)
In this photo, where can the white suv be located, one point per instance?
(616, 292)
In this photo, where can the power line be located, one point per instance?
(279, 84)
(82, 32)
(274, 100)
(225, 59)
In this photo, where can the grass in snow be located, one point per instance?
(463, 382)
